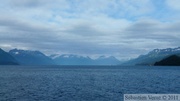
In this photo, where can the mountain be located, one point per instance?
(7, 59)
(172, 60)
(103, 60)
(153, 56)
(28, 57)
(70, 59)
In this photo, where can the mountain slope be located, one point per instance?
(70, 59)
(153, 56)
(172, 60)
(102, 60)
(7, 59)
(27, 57)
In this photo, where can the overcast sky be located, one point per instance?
(122, 28)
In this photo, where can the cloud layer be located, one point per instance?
(122, 28)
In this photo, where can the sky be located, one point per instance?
(121, 28)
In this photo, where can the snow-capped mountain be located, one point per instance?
(70, 59)
(166, 51)
(28, 57)
(7, 59)
(153, 56)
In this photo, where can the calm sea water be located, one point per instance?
(85, 83)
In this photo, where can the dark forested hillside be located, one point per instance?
(172, 60)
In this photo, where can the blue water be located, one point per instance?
(85, 83)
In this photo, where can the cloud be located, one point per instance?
(154, 34)
(34, 4)
(78, 8)
(174, 4)
(123, 28)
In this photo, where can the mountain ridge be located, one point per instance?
(70, 59)
(7, 59)
(28, 57)
(153, 56)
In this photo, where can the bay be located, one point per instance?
(85, 83)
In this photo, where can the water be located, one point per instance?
(85, 83)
